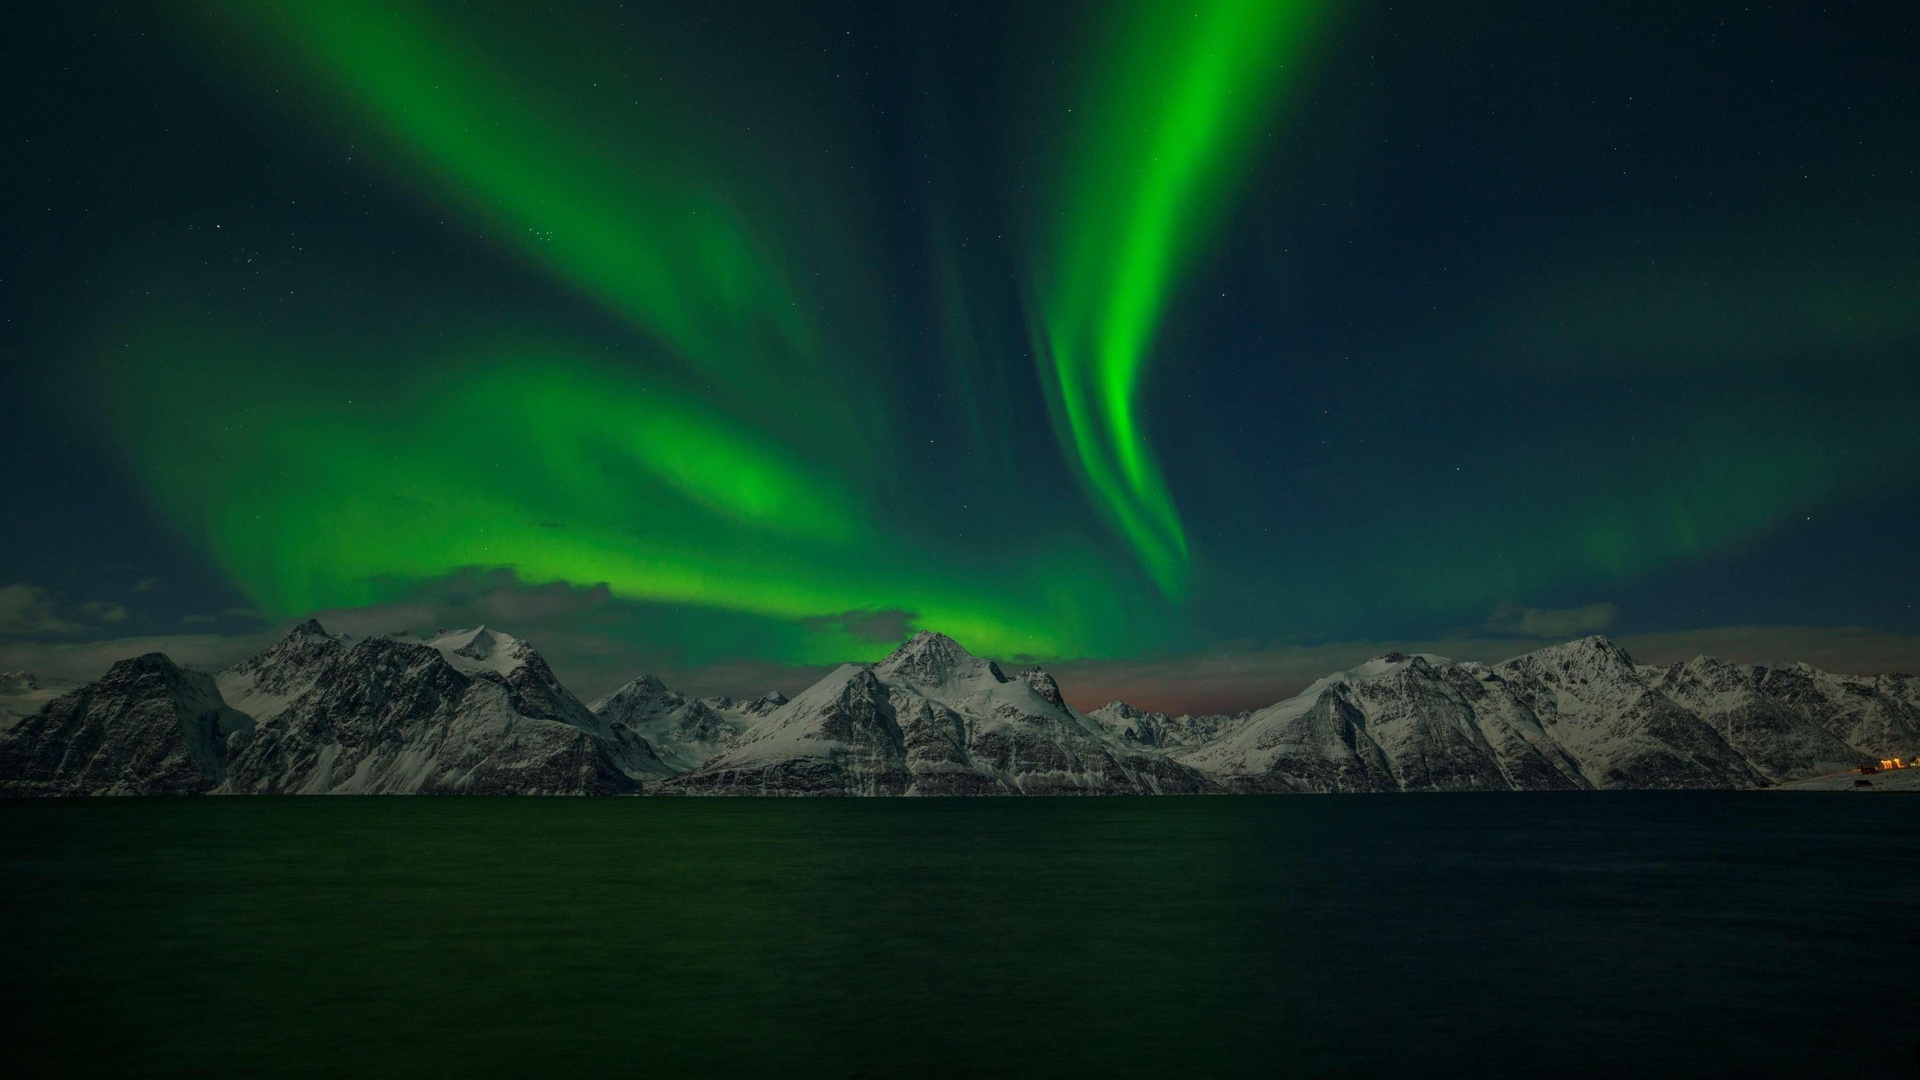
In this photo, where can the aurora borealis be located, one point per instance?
(1080, 332)
(1169, 123)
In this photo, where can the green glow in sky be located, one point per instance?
(1172, 125)
(654, 231)
(651, 229)
(331, 485)
(776, 328)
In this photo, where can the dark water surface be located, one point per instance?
(1601, 934)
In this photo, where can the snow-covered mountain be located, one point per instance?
(1796, 721)
(147, 727)
(465, 711)
(264, 684)
(1157, 729)
(933, 719)
(1579, 715)
(480, 711)
(684, 731)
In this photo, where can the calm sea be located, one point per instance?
(1499, 935)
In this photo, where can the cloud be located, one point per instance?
(32, 612)
(469, 597)
(102, 612)
(79, 661)
(27, 611)
(889, 626)
(1552, 623)
(593, 640)
(145, 585)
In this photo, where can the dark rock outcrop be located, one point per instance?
(147, 727)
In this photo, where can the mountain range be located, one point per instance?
(478, 711)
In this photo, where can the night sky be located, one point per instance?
(1189, 347)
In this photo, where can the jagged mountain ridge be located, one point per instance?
(932, 719)
(390, 715)
(480, 711)
(466, 711)
(265, 683)
(684, 731)
(1578, 715)
(1157, 729)
(146, 727)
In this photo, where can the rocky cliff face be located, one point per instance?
(480, 711)
(1878, 716)
(264, 684)
(1625, 734)
(1580, 715)
(838, 738)
(932, 719)
(466, 711)
(1157, 729)
(1782, 722)
(145, 728)
(684, 731)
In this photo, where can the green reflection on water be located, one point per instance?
(703, 937)
(1606, 934)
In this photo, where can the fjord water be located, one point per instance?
(1499, 935)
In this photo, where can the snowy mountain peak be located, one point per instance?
(930, 659)
(264, 683)
(843, 683)
(482, 644)
(926, 642)
(1389, 663)
(1154, 729)
(1043, 684)
(479, 649)
(643, 695)
(932, 719)
(305, 636)
(146, 727)
(1706, 671)
(684, 731)
(1600, 645)
(479, 710)
(1578, 659)
(764, 704)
